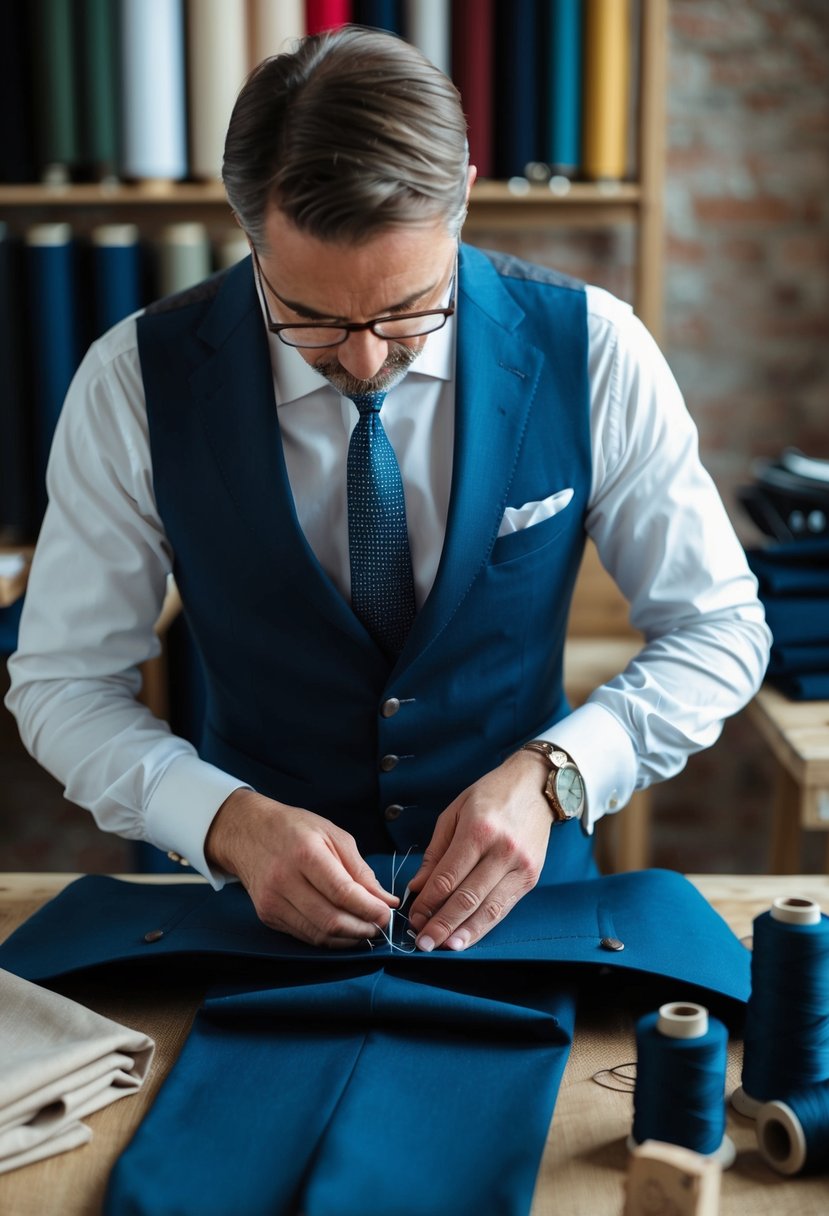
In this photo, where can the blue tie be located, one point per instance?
(382, 584)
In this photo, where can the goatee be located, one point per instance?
(397, 363)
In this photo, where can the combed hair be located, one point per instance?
(353, 132)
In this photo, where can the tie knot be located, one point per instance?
(369, 403)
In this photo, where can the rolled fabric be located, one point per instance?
(61, 1062)
(154, 92)
(274, 26)
(217, 60)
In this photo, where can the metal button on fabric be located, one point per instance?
(154, 935)
(393, 812)
(389, 762)
(390, 707)
(611, 943)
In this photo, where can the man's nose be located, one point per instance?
(363, 354)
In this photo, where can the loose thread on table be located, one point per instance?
(786, 1037)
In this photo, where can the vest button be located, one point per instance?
(611, 943)
(389, 708)
(393, 812)
(389, 762)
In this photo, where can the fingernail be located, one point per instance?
(418, 920)
(426, 944)
(456, 942)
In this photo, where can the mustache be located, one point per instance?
(397, 362)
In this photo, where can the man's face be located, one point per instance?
(397, 271)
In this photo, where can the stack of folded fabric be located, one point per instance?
(794, 588)
(790, 502)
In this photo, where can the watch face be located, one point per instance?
(570, 789)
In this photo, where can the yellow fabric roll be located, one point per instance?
(607, 34)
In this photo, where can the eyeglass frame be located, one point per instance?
(350, 327)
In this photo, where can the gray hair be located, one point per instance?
(353, 132)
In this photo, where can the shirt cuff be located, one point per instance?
(182, 808)
(605, 755)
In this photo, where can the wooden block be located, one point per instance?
(666, 1180)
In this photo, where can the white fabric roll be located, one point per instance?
(154, 140)
(59, 1062)
(274, 24)
(184, 257)
(218, 59)
(427, 26)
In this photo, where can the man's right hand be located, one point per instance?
(303, 873)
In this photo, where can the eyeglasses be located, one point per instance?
(319, 334)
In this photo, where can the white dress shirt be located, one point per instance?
(101, 567)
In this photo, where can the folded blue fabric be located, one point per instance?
(790, 659)
(806, 686)
(798, 619)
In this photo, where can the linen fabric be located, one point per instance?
(58, 1063)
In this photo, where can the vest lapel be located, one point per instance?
(246, 441)
(497, 376)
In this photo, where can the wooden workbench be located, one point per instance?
(585, 1162)
(797, 733)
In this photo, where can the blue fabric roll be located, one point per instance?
(517, 109)
(53, 317)
(381, 14)
(117, 282)
(562, 85)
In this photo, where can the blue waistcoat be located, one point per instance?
(301, 703)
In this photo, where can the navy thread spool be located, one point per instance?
(793, 1132)
(680, 1081)
(786, 1037)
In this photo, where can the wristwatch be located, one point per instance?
(564, 787)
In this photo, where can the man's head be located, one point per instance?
(352, 134)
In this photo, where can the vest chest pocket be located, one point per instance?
(537, 536)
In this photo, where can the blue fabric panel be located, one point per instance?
(666, 926)
(360, 1066)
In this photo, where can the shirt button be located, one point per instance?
(389, 708)
(389, 762)
(393, 812)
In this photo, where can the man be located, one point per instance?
(372, 685)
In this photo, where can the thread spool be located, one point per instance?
(786, 1038)
(793, 1132)
(680, 1081)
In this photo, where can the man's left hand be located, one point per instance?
(486, 853)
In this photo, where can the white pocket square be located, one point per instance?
(517, 518)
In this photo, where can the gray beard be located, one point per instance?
(398, 362)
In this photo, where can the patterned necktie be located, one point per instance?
(382, 584)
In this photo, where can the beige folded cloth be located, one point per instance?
(59, 1061)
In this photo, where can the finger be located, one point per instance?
(331, 881)
(361, 872)
(501, 900)
(468, 896)
(433, 856)
(305, 913)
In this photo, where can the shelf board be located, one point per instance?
(163, 193)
